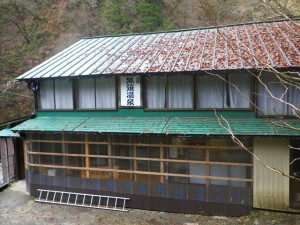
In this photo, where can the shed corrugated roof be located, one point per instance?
(8, 133)
(155, 125)
(243, 46)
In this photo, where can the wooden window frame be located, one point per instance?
(226, 83)
(163, 147)
(146, 108)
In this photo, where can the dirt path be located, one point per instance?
(16, 207)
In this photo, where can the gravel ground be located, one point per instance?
(16, 207)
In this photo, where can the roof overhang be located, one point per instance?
(8, 133)
(163, 125)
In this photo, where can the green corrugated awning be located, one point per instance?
(215, 126)
(50, 124)
(164, 125)
(123, 125)
(8, 133)
(95, 124)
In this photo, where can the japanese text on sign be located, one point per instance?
(130, 91)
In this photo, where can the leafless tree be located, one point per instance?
(286, 9)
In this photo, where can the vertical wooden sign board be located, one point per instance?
(130, 91)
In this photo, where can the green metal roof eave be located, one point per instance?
(8, 133)
(50, 124)
(164, 125)
(241, 127)
(96, 125)
(124, 113)
(124, 125)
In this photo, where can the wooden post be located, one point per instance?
(161, 157)
(207, 166)
(134, 163)
(109, 151)
(25, 146)
(87, 156)
(161, 164)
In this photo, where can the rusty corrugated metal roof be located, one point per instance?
(255, 45)
(162, 125)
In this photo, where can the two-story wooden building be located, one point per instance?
(140, 116)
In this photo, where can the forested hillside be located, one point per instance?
(34, 30)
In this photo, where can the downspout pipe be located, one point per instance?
(34, 87)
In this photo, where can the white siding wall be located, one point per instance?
(271, 190)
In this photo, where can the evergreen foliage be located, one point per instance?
(134, 16)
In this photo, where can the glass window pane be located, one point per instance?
(197, 169)
(154, 166)
(240, 156)
(180, 92)
(124, 164)
(240, 172)
(142, 165)
(46, 159)
(98, 162)
(122, 151)
(58, 160)
(177, 168)
(294, 93)
(218, 155)
(86, 94)
(156, 91)
(75, 148)
(46, 94)
(98, 150)
(45, 147)
(210, 91)
(63, 94)
(35, 147)
(35, 159)
(239, 94)
(105, 93)
(196, 154)
(177, 153)
(76, 161)
(154, 152)
(266, 103)
(219, 171)
(142, 152)
(148, 152)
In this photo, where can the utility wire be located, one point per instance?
(9, 92)
(11, 85)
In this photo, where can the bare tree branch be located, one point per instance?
(237, 141)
